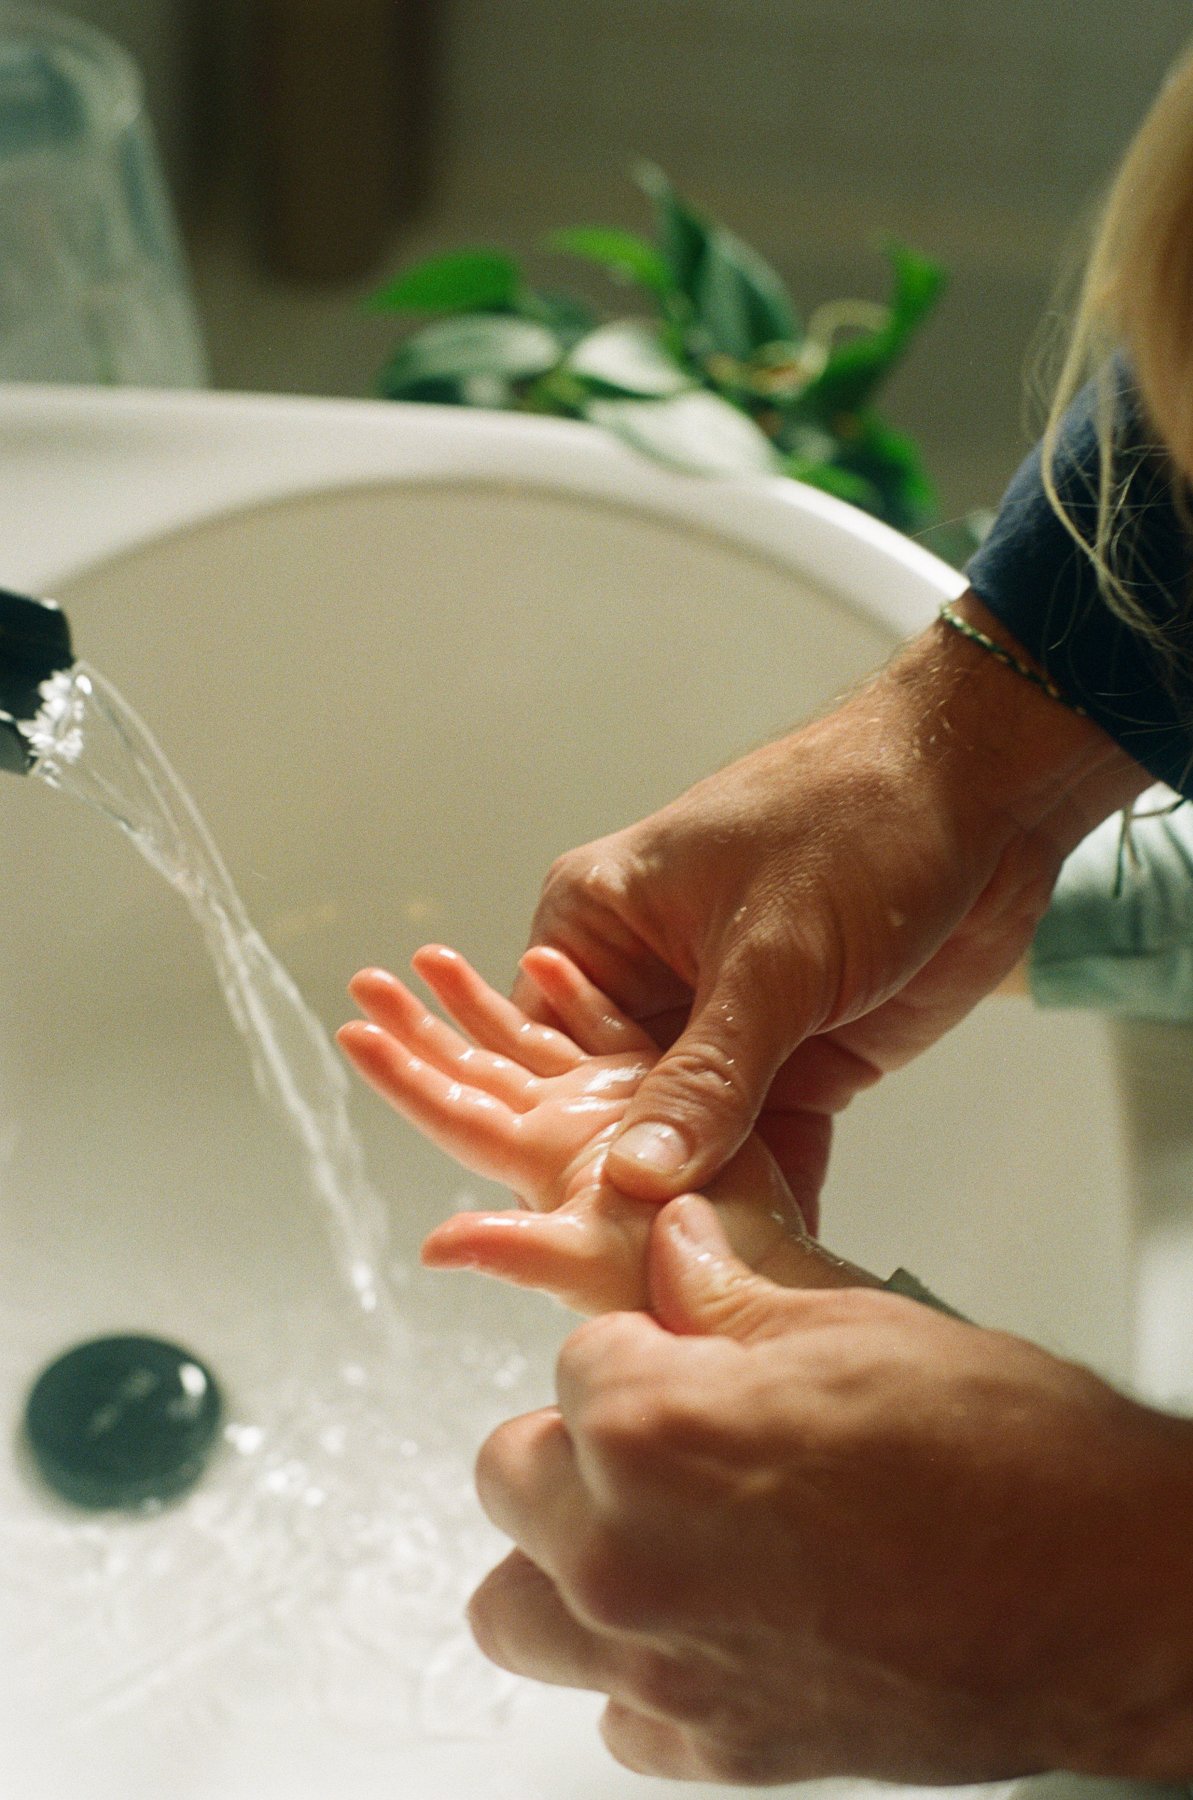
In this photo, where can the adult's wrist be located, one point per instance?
(1009, 759)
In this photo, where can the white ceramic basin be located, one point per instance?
(401, 657)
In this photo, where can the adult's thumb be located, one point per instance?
(698, 1287)
(698, 1104)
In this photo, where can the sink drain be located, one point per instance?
(122, 1420)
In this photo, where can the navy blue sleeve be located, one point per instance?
(1043, 587)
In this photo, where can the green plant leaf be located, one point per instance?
(568, 318)
(721, 384)
(891, 463)
(807, 444)
(740, 301)
(558, 393)
(683, 234)
(622, 254)
(736, 297)
(697, 432)
(472, 346)
(856, 369)
(919, 283)
(465, 281)
(831, 479)
(628, 357)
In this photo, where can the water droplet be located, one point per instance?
(247, 1439)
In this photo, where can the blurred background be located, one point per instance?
(315, 147)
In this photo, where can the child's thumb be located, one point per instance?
(699, 1287)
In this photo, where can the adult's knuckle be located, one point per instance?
(625, 1431)
(496, 1454)
(628, 1426)
(488, 1614)
(592, 875)
(509, 1457)
(592, 1353)
(603, 1588)
(745, 1745)
(633, 1420)
(670, 1687)
(737, 1762)
(646, 1746)
(564, 895)
(484, 1623)
(561, 878)
(670, 1417)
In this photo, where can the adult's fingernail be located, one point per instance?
(659, 1148)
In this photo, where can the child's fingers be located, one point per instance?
(479, 1130)
(597, 1025)
(588, 1263)
(389, 1003)
(494, 1022)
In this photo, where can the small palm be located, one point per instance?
(534, 1107)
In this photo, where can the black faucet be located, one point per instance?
(34, 644)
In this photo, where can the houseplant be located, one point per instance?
(714, 372)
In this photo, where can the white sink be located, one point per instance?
(401, 657)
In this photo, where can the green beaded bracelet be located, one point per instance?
(1008, 658)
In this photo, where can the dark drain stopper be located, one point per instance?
(122, 1420)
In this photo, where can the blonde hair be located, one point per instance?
(1137, 295)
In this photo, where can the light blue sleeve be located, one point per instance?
(1129, 952)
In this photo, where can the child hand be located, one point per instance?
(535, 1106)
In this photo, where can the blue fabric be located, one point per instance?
(1033, 577)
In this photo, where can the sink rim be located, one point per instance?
(93, 472)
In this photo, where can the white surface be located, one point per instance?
(139, 464)
(403, 657)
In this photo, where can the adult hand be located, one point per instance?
(796, 1535)
(822, 910)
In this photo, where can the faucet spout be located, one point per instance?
(34, 644)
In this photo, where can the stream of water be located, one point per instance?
(89, 743)
(328, 1555)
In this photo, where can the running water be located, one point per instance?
(332, 1548)
(87, 741)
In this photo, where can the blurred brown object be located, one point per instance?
(340, 107)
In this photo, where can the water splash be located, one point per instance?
(324, 1567)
